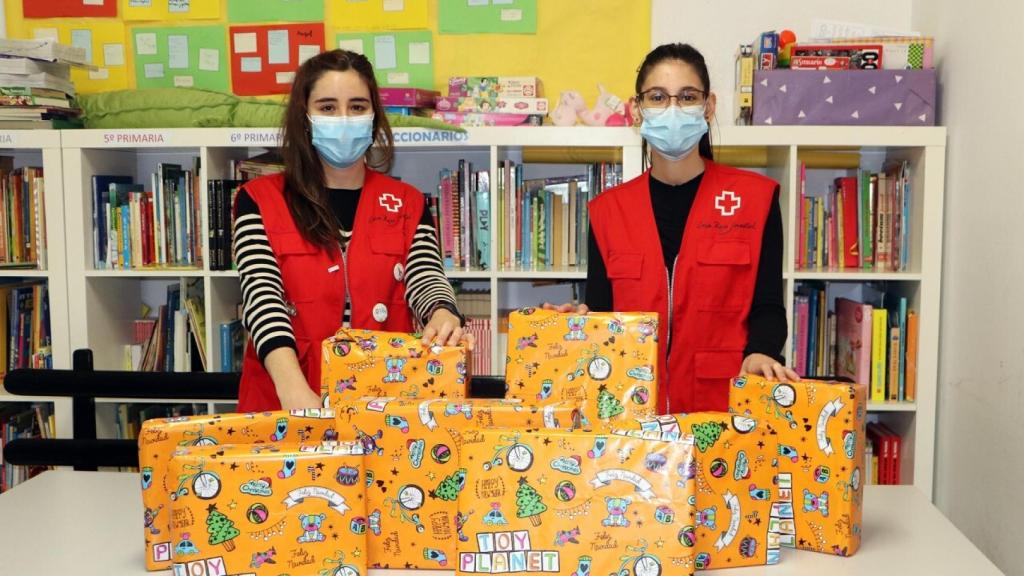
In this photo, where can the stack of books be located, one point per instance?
(492, 101)
(35, 85)
(22, 217)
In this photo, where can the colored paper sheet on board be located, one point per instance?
(248, 11)
(378, 15)
(104, 44)
(400, 59)
(169, 10)
(69, 8)
(188, 56)
(487, 16)
(264, 58)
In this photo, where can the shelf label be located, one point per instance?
(134, 137)
(420, 136)
(8, 138)
(254, 137)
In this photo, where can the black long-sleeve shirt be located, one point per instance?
(766, 323)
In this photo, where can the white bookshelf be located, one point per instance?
(42, 148)
(103, 303)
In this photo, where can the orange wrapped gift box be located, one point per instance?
(364, 363)
(160, 437)
(412, 453)
(607, 360)
(576, 504)
(269, 509)
(820, 430)
(734, 471)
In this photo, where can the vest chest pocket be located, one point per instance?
(388, 242)
(723, 271)
(298, 262)
(624, 265)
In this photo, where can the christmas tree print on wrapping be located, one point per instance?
(607, 404)
(221, 528)
(528, 503)
(450, 487)
(706, 434)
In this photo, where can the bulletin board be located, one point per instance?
(568, 48)
(104, 45)
(264, 58)
(400, 59)
(185, 56)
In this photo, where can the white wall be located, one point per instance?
(980, 439)
(718, 27)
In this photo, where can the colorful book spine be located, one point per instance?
(879, 339)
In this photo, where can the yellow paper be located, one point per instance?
(160, 437)
(412, 456)
(573, 503)
(607, 360)
(171, 10)
(734, 470)
(359, 363)
(102, 32)
(268, 509)
(377, 15)
(820, 429)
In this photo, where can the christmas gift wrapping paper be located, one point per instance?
(269, 509)
(358, 363)
(576, 504)
(160, 437)
(412, 452)
(609, 361)
(820, 430)
(734, 471)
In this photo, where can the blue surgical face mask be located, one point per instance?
(342, 140)
(674, 132)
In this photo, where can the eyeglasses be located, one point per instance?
(656, 98)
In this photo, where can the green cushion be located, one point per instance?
(157, 108)
(194, 108)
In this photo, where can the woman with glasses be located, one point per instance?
(698, 242)
(333, 240)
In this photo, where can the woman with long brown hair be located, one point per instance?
(333, 240)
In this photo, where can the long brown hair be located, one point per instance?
(683, 53)
(305, 188)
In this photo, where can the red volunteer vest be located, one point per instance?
(315, 280)
(712, 286)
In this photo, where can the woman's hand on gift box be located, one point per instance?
(769, 367)
(567, 308)
(444, 328)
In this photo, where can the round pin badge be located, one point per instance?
(380, 312)
(399, 272)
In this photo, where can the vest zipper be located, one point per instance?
(668, 344)
(344, 301)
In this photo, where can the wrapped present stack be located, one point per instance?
(865, 81)
(35, 85)
(492, 101)
(573, 474)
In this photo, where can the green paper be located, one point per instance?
(398, 72)
(263, 11)
(487, 17)
(201, 41)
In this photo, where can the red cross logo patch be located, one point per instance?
(390, 202)
(727, 203)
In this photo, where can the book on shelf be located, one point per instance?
(21, 420)
(857, 222)
(856, 331)
(139, 228)
(461, 207)
(232, 345)
(22, 217)
(25, 325)
(262, 165)
(220, 203)
(173, 341)
(886, 449)
(480, 328)
(21, 65)
(543, 221)
(43, 49)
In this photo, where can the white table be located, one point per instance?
(90, 523)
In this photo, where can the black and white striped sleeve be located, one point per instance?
(264, 313)
(426, 285)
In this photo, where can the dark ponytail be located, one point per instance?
(683, 53)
